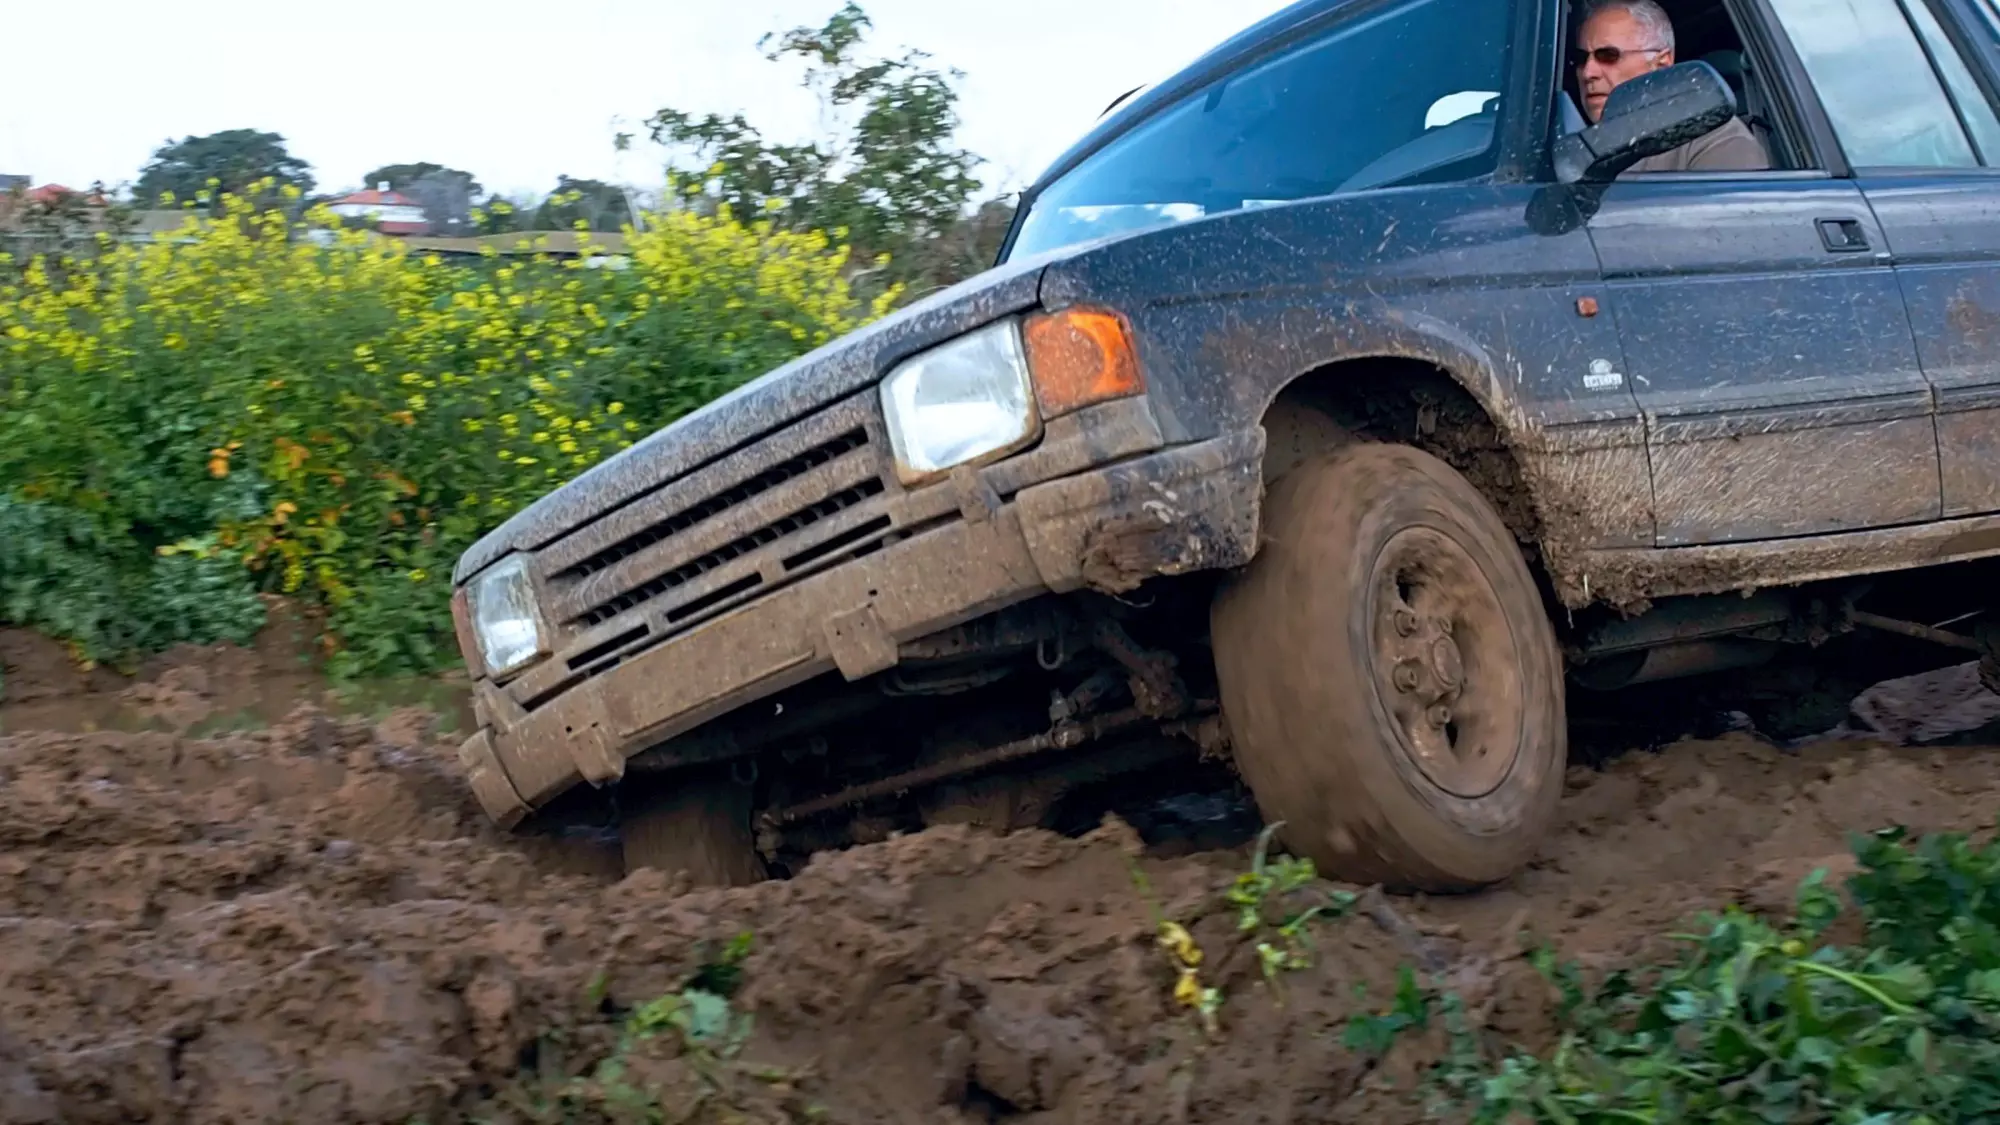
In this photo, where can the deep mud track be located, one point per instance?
(311, 922)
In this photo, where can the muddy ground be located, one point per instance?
(310, 921)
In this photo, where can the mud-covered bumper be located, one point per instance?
(1183, 509)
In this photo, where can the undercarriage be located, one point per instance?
(1050, 713)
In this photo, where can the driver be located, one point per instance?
(1622, 39)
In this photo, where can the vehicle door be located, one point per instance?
(1902, 85)
(1766, 339)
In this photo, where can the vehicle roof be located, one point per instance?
(1272, 27)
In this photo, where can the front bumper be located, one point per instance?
(1183, 509)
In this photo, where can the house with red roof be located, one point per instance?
(393, 212)
(23, 202)
(51, 195)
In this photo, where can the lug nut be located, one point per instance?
(1444, 625)
(1406, 676)
(1406, 623)
(1440, 716)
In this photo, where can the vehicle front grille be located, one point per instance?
(772, 511)
(716, 505)
(734, 549)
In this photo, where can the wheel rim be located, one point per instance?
(1445, 664)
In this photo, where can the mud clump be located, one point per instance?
(312, 922)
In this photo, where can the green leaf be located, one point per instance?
(707, 1015)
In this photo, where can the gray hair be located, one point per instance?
(1648, 13)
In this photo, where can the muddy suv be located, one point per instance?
(1337, 406)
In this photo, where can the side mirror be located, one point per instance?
(1654, 113)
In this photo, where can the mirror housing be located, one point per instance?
(1654, 113)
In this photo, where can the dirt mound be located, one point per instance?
(198, 688)
(312, 922)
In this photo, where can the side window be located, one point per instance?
(1989, 12)
(1974, 111)
(1404, 93)
(1886, 102)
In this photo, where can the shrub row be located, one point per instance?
(257, 404)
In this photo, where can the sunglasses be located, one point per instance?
(1609, 56)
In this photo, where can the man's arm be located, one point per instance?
(1730, 148)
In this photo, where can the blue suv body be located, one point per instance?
(1318, 394)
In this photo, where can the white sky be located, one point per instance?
(517, 91)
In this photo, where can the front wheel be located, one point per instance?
(1391, 681)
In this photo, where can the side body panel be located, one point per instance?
(1944, 230)
(1766, 340)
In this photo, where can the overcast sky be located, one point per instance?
(517, 91)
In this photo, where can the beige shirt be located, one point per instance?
(1732, 147)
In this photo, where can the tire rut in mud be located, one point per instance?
(311, 921)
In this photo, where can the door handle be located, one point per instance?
(1842, 236)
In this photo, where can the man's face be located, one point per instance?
(1636, 54)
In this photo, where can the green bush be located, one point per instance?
(238, 408)
(1762, 1024)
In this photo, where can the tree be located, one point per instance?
(497, 214)
(237, 158)
(445, 194)
(889, 175)
(601, 205)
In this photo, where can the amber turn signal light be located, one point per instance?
(1080, 357)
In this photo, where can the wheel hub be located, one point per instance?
(1447, 666)
(1445, 655)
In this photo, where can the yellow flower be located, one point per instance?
(1175, 938)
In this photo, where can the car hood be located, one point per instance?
(813, 380)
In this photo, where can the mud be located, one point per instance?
(198, 689)
(311, 921)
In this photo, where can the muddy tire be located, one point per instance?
(693, 824)
(1390, 678)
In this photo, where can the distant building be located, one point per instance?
(13, 192)
(50, 195)
(50, 209)
(393, 212)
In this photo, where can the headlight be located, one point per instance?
(989, 391)
(504, 617)
(959, 402)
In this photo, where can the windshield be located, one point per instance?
(1406, 94)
